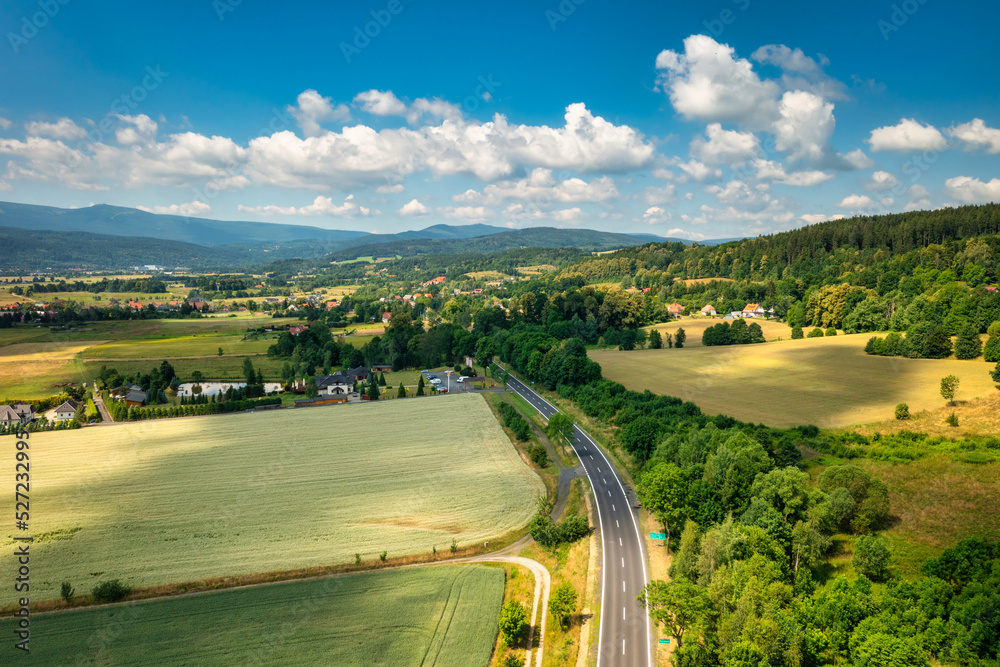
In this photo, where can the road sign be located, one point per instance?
(657, 536)
(664, 641)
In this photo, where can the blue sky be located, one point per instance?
(702, 120)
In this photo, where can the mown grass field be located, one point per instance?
(36, 362)
(694, 328)
(182, 500)
(182, 346)
(829, 382)
(440, 615)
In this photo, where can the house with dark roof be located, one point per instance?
(66, 411)
(359, 373)
(338, 384)
(26, 411)
(135, 398)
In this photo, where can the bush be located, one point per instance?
(538, 455)
(511, 660)
(816, 333)
(830, 331)
(513, 622)
(871, 557)
(110, 591)
(66, 592)
(991, 351)
(952, 420)
(902, 412)
(797, 332)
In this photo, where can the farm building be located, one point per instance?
(66, 411)
(382, 368)
(319, 400)
(709, 310)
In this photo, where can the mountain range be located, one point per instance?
(110, 237)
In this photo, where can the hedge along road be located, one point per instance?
(625, 632)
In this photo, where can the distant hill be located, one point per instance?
(28, 250)
(120, 221)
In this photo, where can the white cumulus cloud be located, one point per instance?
(63, 128)
(380, 103)
(724, 146)
(313, 109)
(975, 134)
(413, 207)
(320, 206)
(193, 208)
(908, 135)
(972, 190)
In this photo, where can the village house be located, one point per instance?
(360, 374)
(338, 384)
(753, 310)
(386, 316)
(8, 416)
(297, 329)
(675, 309)
(382, 368)
(708, 310)
(434, 281)
(135, 398)
(66, 411)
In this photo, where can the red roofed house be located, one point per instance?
(753, 310)
(675, 309)
(330, 305)
(386, 317)
(708, 310)
(435, 281)
(297, 329)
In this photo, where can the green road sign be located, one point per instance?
(657, 536)
(664, 641)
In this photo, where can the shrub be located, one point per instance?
(902, 412)
(797, 332)
(830, 331)
(511, 660)
(816, 333)
(952, 420)
(110, 591)
(382, 556)
(513, 622)
(995, 373)
(991, 351)
(871, 557)
(357, 559)
(538, 455)
(66, 592)
(454, 545)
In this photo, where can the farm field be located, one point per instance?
(829, 382)
(438, 615)
(694, 328)
(187, 499)
(182, 346)
(33, 369)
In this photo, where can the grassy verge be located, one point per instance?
(550, 473)
(568, 563)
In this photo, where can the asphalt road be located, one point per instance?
(625, 636)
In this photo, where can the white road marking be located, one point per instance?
(623, 561)
(623, 587)
(614, 510)
(620, 542)
(623, 647)
(623, 617)
(616, 524)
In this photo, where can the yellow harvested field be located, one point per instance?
(180, 500)
(28, 370)
(694, 328)
(829, 382)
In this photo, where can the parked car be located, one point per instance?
(462, 379)
(435, 381)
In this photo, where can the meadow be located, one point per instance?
(829, 382)
(183, 500)
(36, 362)
(441, 615)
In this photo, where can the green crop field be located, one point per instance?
(180, 500)
(436, 615)
(829, 382)
(182, 346)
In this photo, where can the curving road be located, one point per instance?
(625, 636)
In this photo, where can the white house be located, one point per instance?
(753, 310)
(708, 310)
(66, 411)
(338, 384)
